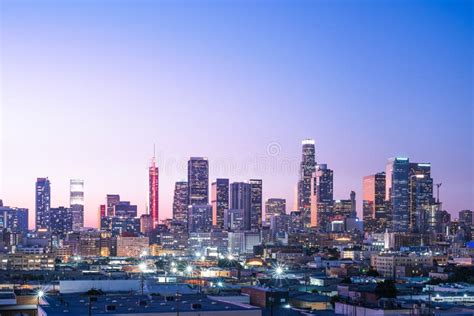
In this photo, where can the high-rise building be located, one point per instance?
(465, 222)
(421, 199)
(180, 202)
(466, 218)
(153, 193)
(256, 192)
(198, 181)
(112, 200)
(307, 168)
(146, 224)
(124, 225)
(240, 199)
(62, 221)
(342, 209)
(125, 209)
(322, 199)
(77, 203)
(353, 204)
(42, 203)
(14, 219)
(102, 212)
(219, 201)
(274, 206)
(397, 185)
(374, 206)
(199, 218)
(234, 220)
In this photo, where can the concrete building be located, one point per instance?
(387, 264)
(132, 246)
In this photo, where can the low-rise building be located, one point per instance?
(132, 246)
(386, 263)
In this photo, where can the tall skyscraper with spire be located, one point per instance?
(153, 195)
(307, 167)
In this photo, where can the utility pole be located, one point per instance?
(177, 303)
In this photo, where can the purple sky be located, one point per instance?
(89, 86)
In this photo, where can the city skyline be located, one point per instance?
(90, 212)
(97, 95)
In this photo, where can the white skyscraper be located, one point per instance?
(77, 203)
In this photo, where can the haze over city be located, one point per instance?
(89, 88)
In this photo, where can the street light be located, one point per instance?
(39, 295)
(142, 267)
(189, 270)
(278, 271)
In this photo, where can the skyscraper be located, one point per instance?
(219, 201)
(353, 204)
(112, 200)
(14, 219)
(180, 202)
(374, 205)
(274, 206)
(146, 224)
(307, 168)
(234, 220)
(42, 203)
(240, 199)
(322, 184)
(342, 209)
(397, 178)
(62, 221)
(102, 213)
(125, 209)
(153, 194)
(420, 196)
(198, 181)
(199, 218)
(256, 191)
(77, 203)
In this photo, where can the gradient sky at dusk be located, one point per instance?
(89, 86)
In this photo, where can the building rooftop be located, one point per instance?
(75, 304)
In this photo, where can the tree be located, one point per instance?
(386, 289)
(346, 280)
(372, 273)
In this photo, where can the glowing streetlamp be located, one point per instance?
(278, 271)
(39, 296)
(189, 270)
(142, 267)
